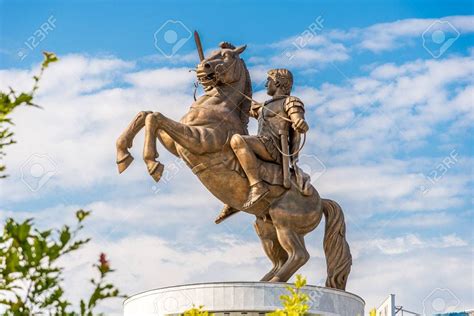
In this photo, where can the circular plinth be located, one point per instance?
(239, 298)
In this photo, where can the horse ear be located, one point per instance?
(240, 49)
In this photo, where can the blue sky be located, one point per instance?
(391, 136)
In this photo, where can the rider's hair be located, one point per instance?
(284, 77)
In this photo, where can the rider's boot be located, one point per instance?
(257, 192)
(226, 212)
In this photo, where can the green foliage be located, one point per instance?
(30, 277)
(197, 311)
(294, 304)
(11, 99)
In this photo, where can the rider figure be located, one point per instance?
(273, 121)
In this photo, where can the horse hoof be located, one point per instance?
(156, 171)
(123, 163)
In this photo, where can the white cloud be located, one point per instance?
(394, 107)
(83, 116)
(189, 58)
(259, 75)
(404, 244)
(318, 50)
(315, 50)
(162, 79)
(420, 221)
(387, 36)
(412, 277)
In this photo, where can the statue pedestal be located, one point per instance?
(239, 298)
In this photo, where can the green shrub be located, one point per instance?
(30, 282)
(295, 303)
(197, 311)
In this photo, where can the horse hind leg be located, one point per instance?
(155, 168)
(293, 243)
(125, 141)
(277, 255)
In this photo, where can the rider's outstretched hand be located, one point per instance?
(254, 109)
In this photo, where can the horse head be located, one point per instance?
(222, 67)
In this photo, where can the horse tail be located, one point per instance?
(336, 248)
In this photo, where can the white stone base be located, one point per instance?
(239, 298)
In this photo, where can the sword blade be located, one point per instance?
(199, 46)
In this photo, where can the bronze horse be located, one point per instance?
(201, 139)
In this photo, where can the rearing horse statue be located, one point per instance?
(202, 140)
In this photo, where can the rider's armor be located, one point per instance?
(272, 123)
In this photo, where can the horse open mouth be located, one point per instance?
(207, 79)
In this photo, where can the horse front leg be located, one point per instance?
(125, 141)
(167, 142)
(197, 140)
(155, 168)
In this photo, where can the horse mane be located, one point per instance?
(245, 104)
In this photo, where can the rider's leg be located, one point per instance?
(247, 148)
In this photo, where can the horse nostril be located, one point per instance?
(206, 65)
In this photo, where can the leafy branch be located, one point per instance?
(11, 100)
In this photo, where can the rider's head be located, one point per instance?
(279, 82)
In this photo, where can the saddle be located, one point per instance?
(272, 173)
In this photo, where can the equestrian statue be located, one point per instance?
(258, 175)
